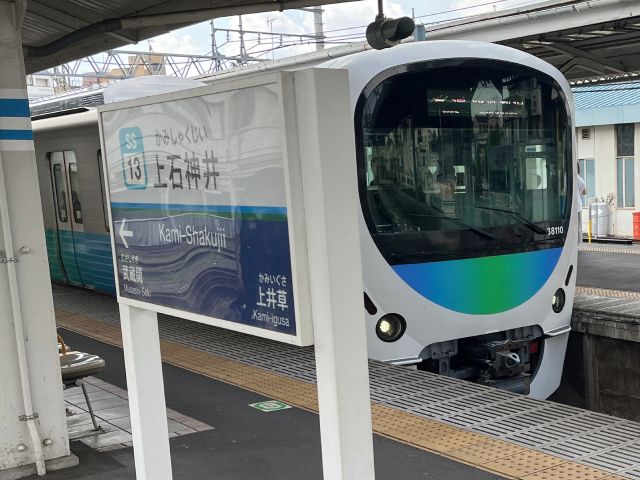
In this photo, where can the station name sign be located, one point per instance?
(202, 206)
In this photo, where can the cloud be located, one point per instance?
(455, 9)
(177, 42)
(348, 21)
(259, 45)
(342, 23)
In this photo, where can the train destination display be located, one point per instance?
(199, 203)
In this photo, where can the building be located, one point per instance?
(39, 86)
(608, 138)
(139, 65)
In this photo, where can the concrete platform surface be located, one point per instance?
(243, 443)
(496, 431)
(609, 267)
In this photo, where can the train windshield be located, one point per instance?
(463, 158)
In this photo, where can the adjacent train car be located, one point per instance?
(73, 200)
(465, 173)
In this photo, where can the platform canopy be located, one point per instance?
(587, 40)
(58, 31)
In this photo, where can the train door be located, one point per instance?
(69, 222)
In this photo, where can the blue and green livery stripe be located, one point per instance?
(482, 286)
(227, 211)
(81, 258)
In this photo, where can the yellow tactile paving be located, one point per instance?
(608, 249)
(569, 470)
(424, 433)
(605, 292)
(481, 451)
(300, 394)
(524, 463)
(485, 452)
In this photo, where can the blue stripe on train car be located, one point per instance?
(93, 259)
(55, 267)
(68, 254)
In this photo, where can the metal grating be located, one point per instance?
(591, 439)
(634, 473)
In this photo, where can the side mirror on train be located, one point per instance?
(387, 32)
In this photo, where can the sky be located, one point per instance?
(342, 23)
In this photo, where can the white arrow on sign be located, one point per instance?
(124, 233)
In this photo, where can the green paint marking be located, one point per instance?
(270, 406)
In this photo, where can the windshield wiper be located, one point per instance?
(479, 231)
(526, 221)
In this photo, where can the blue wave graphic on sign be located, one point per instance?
(230, 263)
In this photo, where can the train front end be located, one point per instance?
(466, 181)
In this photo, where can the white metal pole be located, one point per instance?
(11, 258)
(333, 240)
(141, 344)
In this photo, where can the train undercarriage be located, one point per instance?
(505, 360)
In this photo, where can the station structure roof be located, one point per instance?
(58, 31)
(588, 41)
(607, 104)
(612, 95)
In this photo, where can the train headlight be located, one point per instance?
(557, 303)
(390, 327)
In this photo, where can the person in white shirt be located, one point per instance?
(582, 190)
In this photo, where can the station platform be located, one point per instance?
(608, 290)
(609, 267)
(234, 441)
(600, 370)
(608, 287)
(486, 431)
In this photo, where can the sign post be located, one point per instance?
(235, 205)
(333, 238)
(141, 345)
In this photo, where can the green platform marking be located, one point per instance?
(270, 406)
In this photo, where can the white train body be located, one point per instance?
(438, 306)
(469, 244)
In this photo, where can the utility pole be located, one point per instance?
(273, 48)
(243, 51)
(318, 25)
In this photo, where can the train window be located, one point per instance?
(105, 212)
(61, 195)
(76, 206)
(463, 158)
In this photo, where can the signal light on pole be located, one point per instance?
(385, 33)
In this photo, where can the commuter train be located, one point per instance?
(465, 161)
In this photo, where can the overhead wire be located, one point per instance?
(494, 2)
(331, 36)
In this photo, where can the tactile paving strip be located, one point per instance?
(631, 250)
(605, 292)
(569, 470)
(439, 414)
(523, 463)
